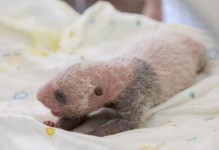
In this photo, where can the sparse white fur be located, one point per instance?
(176, 58)
(150, 72)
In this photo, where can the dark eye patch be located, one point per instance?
(98, 91)
(60, 97)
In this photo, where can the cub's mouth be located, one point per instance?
(57, 113)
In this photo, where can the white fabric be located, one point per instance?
(38, 38)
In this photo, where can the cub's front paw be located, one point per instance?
(49, 123)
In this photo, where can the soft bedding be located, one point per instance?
(38, 38)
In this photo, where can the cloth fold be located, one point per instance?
(39, 38)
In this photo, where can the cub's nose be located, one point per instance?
(40, 94)
(45, 93)
(50, 97)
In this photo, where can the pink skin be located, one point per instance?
(71, 95)
(74, 78)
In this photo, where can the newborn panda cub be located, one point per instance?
(152, 71)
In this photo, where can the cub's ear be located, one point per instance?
(98, 91)
(85, 63)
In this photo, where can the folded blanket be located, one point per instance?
(38, 38)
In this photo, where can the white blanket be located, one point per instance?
(38, 38)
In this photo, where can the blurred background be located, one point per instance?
(174, 11)
(195, 13)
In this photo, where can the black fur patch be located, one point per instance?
(141, 93)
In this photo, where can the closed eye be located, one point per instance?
(60, 97)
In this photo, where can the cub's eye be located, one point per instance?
(98, 91)
(60, 97)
